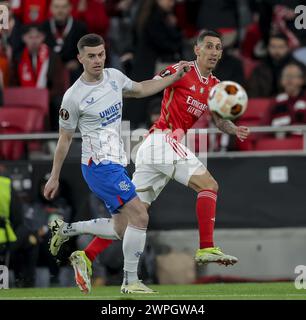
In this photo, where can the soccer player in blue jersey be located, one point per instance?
(94, 104)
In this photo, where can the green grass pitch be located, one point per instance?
(237, 291)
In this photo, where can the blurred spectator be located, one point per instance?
(17, 242)
(213, 15)
(158, 41)
(10, 45)
(31, 11)
(115, 8)
(279, 16)
(93, 14)
(230, 67)
(252, 42)
(38, 66)
(7, 215)
(1, 88)
(264, 81)
(290, 105)
(122, 13)
(157, 37)
(38, 213)
(185, 11)
(223, 15)
(62, 35)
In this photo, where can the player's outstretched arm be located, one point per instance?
(149, 87)
(61, 151)
(229, 127)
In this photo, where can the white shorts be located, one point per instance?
(159, 159)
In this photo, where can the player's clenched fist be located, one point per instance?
(183, 68)
(242, 132)
(51, 188)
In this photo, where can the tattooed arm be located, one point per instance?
(229, 127)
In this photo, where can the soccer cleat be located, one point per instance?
(136, 287)
(82, 270)
(57, 238)
(214, 254)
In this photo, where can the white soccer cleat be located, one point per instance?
(57, 238)
(82, 270)
(136, 287)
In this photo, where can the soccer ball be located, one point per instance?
(228, 99)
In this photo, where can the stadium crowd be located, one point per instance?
(263, 51)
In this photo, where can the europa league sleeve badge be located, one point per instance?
(64, 114)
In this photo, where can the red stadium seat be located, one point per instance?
(39, 122)
(31, 97)
(17, 120)
(257, 114)
(11, 150)
(290, 143)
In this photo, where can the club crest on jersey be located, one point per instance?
(124, 186)
(64, 114)
(114, 85)
(202, 90)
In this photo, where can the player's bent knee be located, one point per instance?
(213, 185)
(120, 231)
(204, 183)
(120, 224)
(140, 218)
(208, 185)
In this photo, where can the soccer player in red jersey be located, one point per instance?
(184, 102)
(162, 156)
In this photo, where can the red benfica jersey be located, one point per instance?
(185, 101)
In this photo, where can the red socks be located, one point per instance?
(206, 211)
(96, 246)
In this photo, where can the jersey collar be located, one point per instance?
(201, 78)
(92, 83)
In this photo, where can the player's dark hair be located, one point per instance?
(90, 40)
(207, 33)
(278, 35)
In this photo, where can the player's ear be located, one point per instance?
(220, 56)
(80, 58)
(196, 50)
